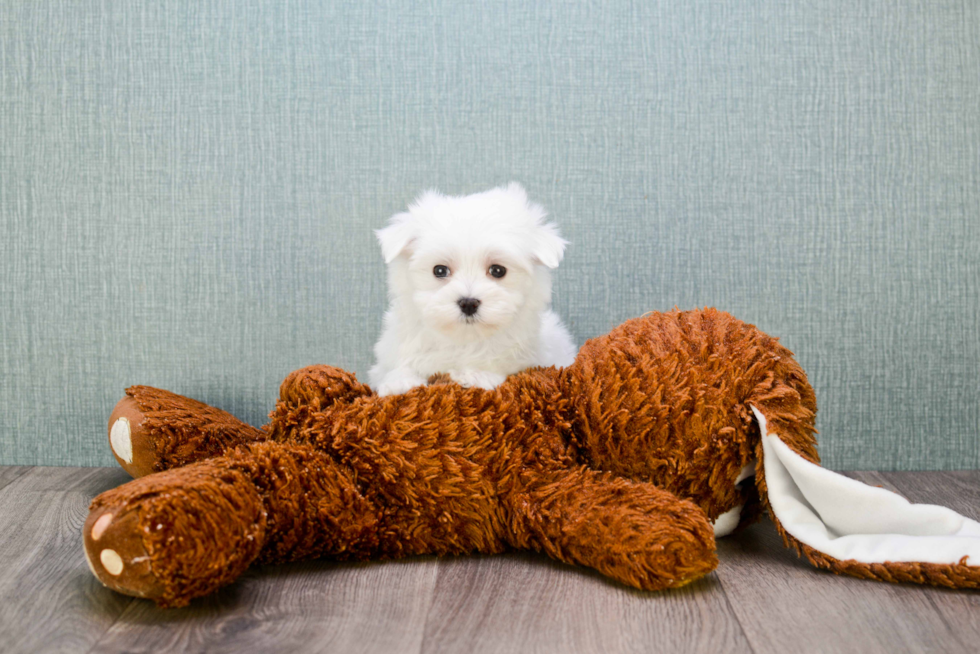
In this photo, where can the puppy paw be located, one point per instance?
(397, 382)
(477, 378)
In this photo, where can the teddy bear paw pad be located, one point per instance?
(112, 562)
(120, 439)
(132, 443)
(100, 525)
(115, 553)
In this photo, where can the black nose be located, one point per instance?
(468, 305)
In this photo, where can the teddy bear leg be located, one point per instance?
(177, 534)
(185, 532)
(634, 532)
(152, 429)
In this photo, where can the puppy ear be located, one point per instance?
(549, 246)
(397, 236)
(517, 190)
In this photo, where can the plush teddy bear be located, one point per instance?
(629, 461)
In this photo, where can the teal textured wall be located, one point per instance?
(188, 188)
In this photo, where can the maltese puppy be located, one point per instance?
(469, 284)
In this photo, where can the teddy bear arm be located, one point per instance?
(152, 430)
(307, 391)
(634, 532)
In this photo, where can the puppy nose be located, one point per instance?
(468, 305)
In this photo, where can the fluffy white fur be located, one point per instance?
(426, 329)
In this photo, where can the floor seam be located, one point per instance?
(731, 608)
(428, 610)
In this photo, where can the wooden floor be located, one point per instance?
(760, 599)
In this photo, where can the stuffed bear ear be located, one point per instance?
(549, 246)
(397, 236)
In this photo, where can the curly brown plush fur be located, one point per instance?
(618, 462)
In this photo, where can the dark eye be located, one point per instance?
(497, 271)
(441, 271)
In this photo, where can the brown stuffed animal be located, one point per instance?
(628, 461)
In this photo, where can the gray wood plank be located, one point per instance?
(527, 603)
(960, 491)
(10, 473)
(310, 607)
(761, 599)
(957, 489)
(781, 600)
(49, 600)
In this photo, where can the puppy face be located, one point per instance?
(466, 287)
(471, 265)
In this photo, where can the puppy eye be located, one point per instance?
(441, 271)
(497, 271)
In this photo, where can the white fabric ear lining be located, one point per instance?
(849, 520)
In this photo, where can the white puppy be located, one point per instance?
(469, 284)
